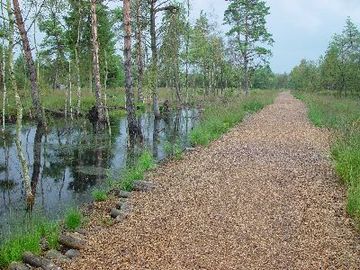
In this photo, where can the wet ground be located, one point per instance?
(69, 160)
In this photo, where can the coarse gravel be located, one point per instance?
(264, 196)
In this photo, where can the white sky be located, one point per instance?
(301, 28)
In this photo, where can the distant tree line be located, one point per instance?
(337, 71)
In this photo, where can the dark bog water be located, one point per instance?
(68, 161)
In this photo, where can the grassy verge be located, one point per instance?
(221, 115)
(27, 237)
(342, 115)
(144, 163)
(73, 219)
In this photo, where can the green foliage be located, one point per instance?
(305, 76)
(250, 40)
(99, 195)
(73, 219)
(342, 115)
(173, 149)
(222, 115)
(338, 71)
(253, 106)
(264, 78)
(27, 237)
(144, 163)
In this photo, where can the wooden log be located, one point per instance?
(37, 261)
(114, 213)
(126, 208)
(72, 253)
(120, 193)
(143, 186)
(124, 194)
(18, 266)
(55, 255)
(121, 217)
(71, 241)
(121, 202)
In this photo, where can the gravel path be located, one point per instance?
(263, 197)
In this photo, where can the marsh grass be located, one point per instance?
(26, 236)
(342, 115)
(73, 219)
(99, 195)
(221, 115)
(144, 163)
(173, 150)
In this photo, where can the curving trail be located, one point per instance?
(263, 197)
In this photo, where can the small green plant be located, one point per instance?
(144, 163)
(99, 195)
(73, 219)
(253, 106)
(27, 237)
(173, 149)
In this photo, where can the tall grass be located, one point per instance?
(73, 219)
(144, 163)
(221, 115)
(342, 115)
(27, 236)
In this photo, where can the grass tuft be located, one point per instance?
(144, 163)
(27, 237)
(99, 195)
(73, 219)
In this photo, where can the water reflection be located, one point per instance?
(68, 160)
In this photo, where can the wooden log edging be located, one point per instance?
(143, 186)
(18, 266)
(72, 242)
(37, 261)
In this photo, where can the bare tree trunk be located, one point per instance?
(70, 91)
(246, 77)
(35, 44)
(105, 94)
(140, 63)
(19, 110)
(134, 129)
(37, 162)
(177, 81)
(96, 66)
(187, 45)
(154, 59)
(3, 74)
(78, 79)
(30, 63)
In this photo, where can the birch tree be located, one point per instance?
(35, 93)
(19, 109)
(100, 112)
(134, 129)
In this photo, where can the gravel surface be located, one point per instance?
(264, 196)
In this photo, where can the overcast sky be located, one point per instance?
(301, 28)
